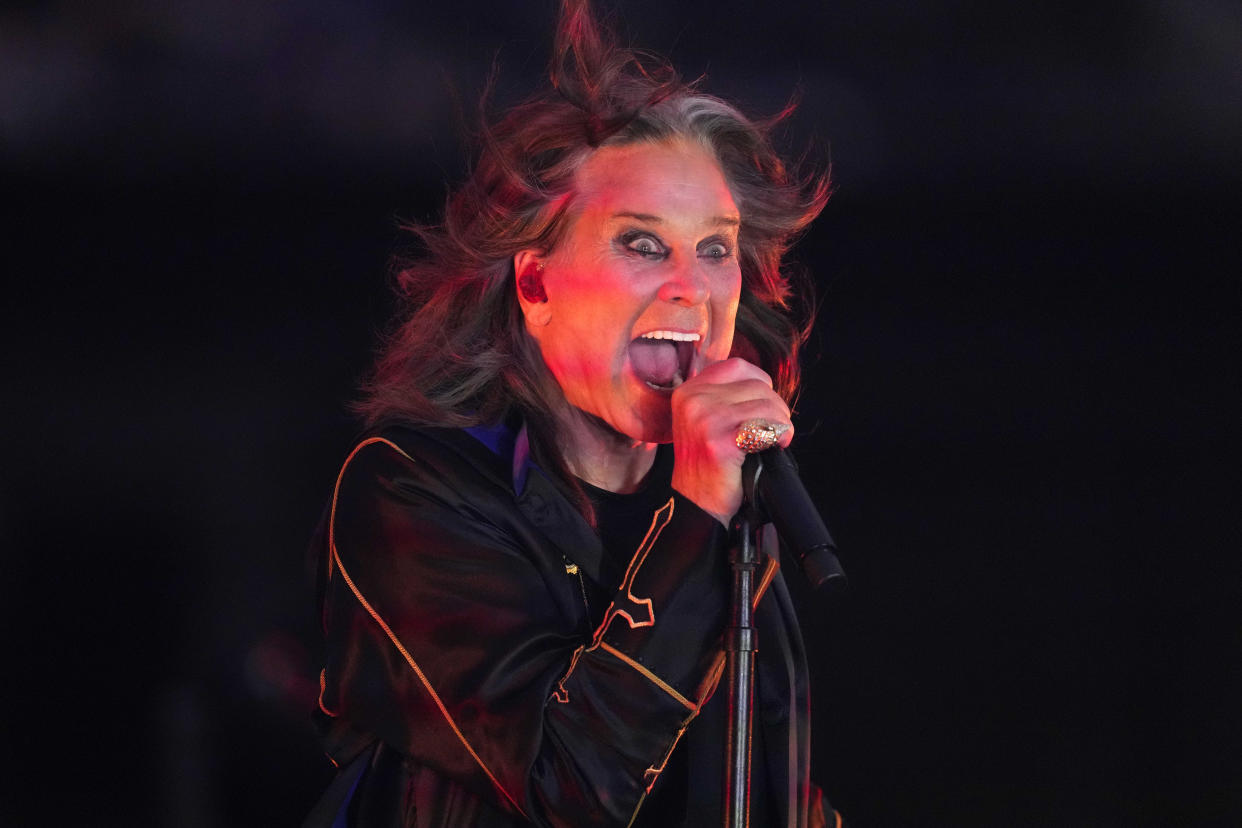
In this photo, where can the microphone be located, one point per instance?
(780, 495)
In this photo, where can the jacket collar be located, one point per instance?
(542, 502)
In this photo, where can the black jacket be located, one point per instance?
(464, 683)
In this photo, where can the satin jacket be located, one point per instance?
(464, 683)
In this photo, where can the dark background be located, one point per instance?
(1015, 415)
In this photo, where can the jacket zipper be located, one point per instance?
(572, 568)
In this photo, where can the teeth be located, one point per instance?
(677, 380)
(676, 336)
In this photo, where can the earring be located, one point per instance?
(530, 285)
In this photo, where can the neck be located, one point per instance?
(604, 457)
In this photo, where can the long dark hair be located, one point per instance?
(459, 354)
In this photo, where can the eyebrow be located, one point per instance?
(730, 221)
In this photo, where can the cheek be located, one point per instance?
(598, 294)
(593, 331)
(600, 311)
(724, 303)
(722, 347)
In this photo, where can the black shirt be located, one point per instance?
(690, 790)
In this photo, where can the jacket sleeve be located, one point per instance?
(448, 638)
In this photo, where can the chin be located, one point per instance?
(655, 416)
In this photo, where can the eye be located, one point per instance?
(644, 245)
(716, 249)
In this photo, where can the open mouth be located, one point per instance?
(662, 359)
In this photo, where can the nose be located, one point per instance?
(686, 284)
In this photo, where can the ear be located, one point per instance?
(528, 274)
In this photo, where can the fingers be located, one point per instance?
(708, 411)
(728, 370)
(728, 394)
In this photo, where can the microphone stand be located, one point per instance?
(740, 649)
(803, 530)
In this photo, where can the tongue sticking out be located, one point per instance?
(656, 362)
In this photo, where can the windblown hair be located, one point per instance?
(459, 354)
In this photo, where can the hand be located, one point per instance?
(707, 411)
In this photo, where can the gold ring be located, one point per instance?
(759, 435)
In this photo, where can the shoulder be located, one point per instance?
(406, 482)
(427, 511)
(405, 458)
